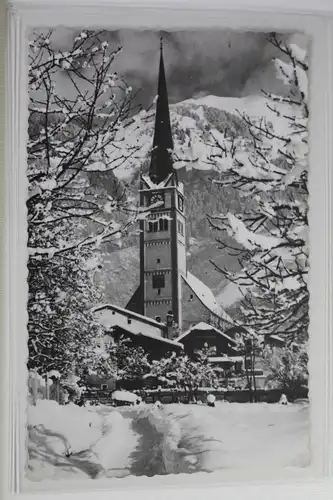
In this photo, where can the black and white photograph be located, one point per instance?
(168, 254)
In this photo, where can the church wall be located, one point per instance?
(158, 235)
(182, 257)
(161, 251)
(156, 293)
(158, 308)
(167, 203)
(193, 310)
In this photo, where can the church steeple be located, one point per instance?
(161, 165)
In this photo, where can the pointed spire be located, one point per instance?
(161, 160)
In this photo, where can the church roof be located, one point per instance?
(161, 165)
(206, 297)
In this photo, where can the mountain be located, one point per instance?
(193, 123)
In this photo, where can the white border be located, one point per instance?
(173, 14)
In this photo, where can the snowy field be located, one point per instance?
(71, 442)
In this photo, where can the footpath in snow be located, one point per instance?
(94, 442)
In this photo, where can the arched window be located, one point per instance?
(164, 224)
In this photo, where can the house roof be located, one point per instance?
(206, 296)
(204, 326)
(162, 339)
(131, 314)
(143, 319)
(229, 359)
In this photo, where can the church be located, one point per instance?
(158, 316)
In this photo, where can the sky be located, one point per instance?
(198, 63)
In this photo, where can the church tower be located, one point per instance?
(162, 233)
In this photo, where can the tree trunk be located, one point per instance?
(57, 382)
(34, 390)
(254, 378)
(248, 378)
(47, 389)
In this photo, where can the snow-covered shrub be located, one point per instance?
(288, 368)
(184, 372)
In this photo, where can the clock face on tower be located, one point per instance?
(156, 198)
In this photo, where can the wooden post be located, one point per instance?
(57, 390)
(34, 383)
(47, 392)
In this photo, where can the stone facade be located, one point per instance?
(162, 250)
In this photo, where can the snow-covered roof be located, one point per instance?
(125, 396)
(230, 359)
(130, 314)
(163, 339)
(206, 296)
(142, 327)
(204, 326)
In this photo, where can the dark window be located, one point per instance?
(153, 227)
(158, 261)
(258, 372)
(158, 291)
(158, 319)
(158, 281)
(104, 387)
(180, 203)
(164, 224)
(180, 228)
(129, 321)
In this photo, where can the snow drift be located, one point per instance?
(146, 440)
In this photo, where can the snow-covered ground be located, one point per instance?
(73, 442)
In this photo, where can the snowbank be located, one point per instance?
(126, 396)
(242, 436)
(80, 427)
(91, 442)
(147, 440)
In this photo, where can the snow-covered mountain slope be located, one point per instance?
(254, 106)
(193, 122)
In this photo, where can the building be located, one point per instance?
(158, 316)
(166, 286)
(145, 332)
